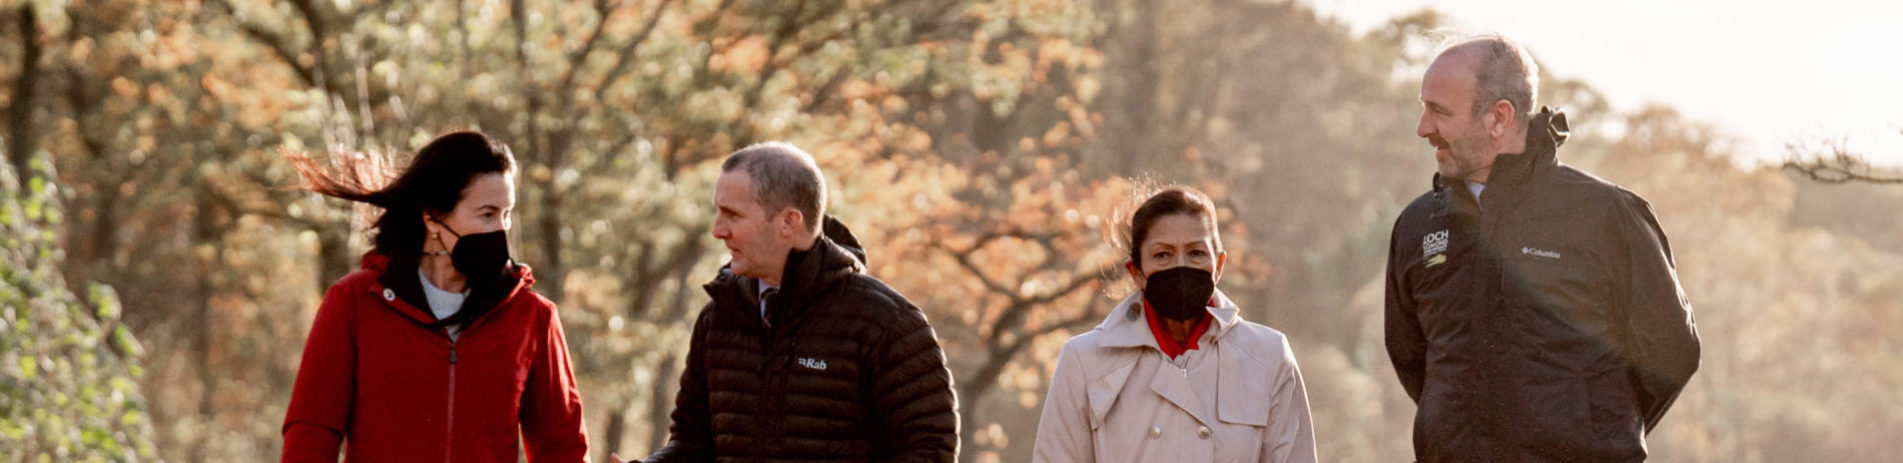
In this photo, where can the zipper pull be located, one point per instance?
(452, 353)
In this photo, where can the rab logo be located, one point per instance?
(813, 364)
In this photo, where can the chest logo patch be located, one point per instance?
(813, 363)
(1434, 243)
(1537, 252)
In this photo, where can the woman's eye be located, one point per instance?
(1160, 255)
(1198, 253)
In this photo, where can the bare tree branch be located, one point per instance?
(626, 56)
(1833, 162)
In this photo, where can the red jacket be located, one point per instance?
(376, 375)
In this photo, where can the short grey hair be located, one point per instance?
(1506, 71)
(783, 176)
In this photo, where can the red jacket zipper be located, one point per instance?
(449, 427)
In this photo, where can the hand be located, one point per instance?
(615, 458)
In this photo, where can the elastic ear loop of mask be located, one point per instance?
(439, 238)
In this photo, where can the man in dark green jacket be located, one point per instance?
(801, 356)
(1533, 310)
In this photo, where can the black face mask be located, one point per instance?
(479, 255)
(1180, 293)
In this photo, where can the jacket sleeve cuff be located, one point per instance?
(304, 442)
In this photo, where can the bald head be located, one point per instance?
(1501, 70)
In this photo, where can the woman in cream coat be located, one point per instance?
(1175, 374)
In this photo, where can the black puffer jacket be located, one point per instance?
(848, 370)
(1544, 322)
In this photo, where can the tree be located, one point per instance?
(68, 364)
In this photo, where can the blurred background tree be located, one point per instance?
(69, 367)
(982, 149)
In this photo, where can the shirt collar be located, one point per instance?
(1126, 327)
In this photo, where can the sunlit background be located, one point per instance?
(1767, 73)
(159, 267)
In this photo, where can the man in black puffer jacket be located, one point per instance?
(1533, 310)
(801, 356)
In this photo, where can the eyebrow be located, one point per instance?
(1202, 242)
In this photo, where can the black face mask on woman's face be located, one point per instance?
(1180, 293)
(479, 255)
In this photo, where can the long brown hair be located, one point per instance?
(433, 183)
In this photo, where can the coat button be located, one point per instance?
(389, 295)
(1203, 432)
(1156, 432)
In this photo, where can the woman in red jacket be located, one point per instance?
(436, 350)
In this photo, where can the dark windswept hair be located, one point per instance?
(433, 183)
(1163, 203)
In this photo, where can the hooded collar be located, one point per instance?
(1546, 131)
(1126, 327)
(404, 294)
(808, 276)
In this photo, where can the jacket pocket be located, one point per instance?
(1560, 417)
(1615, 407)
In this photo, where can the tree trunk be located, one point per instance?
(20, 110)
(334, 256)
(617, 427)
(1131, 126)
(661, 401)
(549, 270)
(205, 229)
(971, 394)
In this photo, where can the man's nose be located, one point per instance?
(1422, 128)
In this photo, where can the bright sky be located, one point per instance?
(1767, 72)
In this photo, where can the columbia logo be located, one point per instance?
(1537, 252)
(815, 364)
(1434, 243)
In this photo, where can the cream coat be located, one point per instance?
(1116, 398)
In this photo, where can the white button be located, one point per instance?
(1203, 432)
(389, 295)
(1156, 432)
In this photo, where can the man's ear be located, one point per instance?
(790, 223)
(1135, 273)
(1501, 122)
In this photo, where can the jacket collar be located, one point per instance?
(808, 276)
(394, 285)
(1125, 327)
(1546, 131)
(1240, 372)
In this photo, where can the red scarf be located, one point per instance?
(1163, 341)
